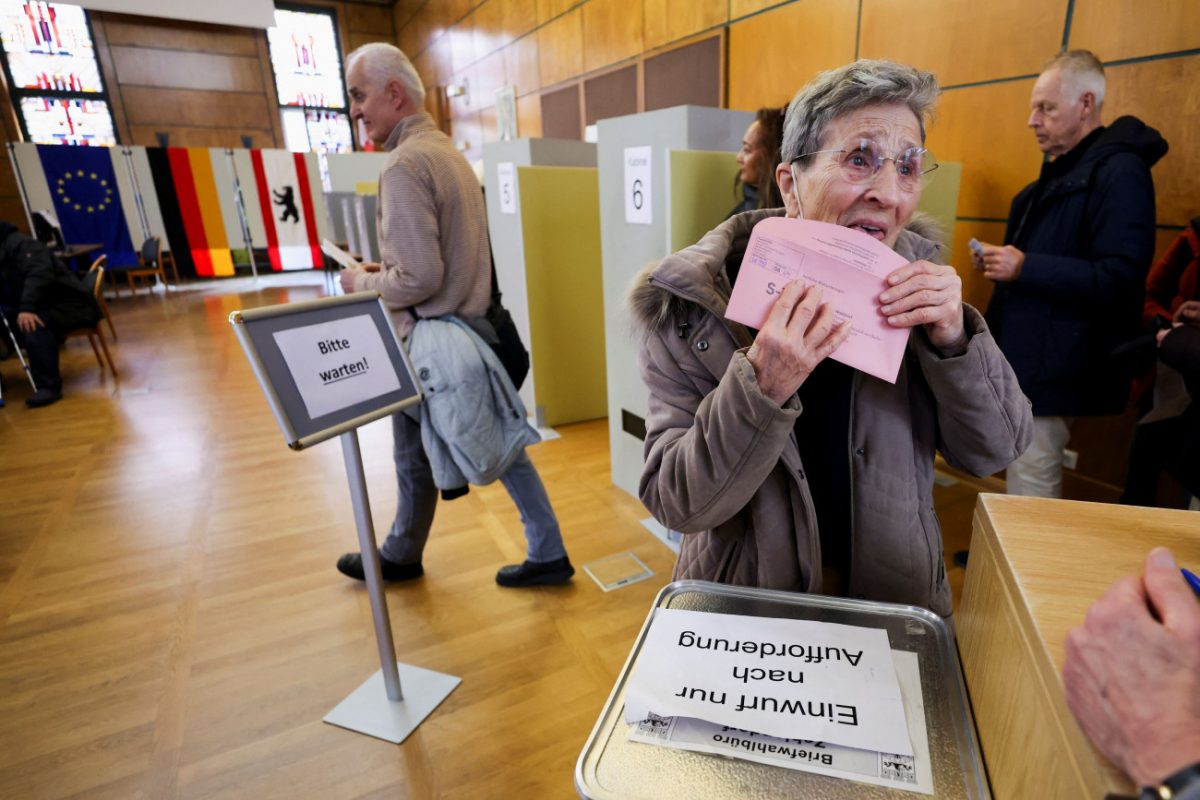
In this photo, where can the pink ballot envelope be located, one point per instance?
(850, 266)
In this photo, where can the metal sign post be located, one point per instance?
(370, 555)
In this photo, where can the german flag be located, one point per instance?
(200, 208)
(172, 217)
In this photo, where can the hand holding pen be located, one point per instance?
(1132, 671)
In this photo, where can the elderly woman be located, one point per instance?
(783, 468)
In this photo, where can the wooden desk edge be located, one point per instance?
(1092, 769)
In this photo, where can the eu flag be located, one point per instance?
(84, 187)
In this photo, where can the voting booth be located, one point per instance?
(327, 367)
(344, 172)
(939, 199)
(678, 757)
(666, 178)
(366, 207)
(544, 224)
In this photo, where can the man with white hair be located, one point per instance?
(436, 261)
(1071, 273)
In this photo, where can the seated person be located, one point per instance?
(1161, 441)
(1131, 674)
(1179, 348)
(43, 301)
(785, 469)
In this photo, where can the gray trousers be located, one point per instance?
(417, 496)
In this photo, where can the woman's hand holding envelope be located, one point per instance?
(924, 293)
(798, 334)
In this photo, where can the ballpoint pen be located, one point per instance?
(1192, 580)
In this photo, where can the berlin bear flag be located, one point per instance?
(285, 197)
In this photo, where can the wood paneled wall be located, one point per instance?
(986, 56)
(201, 85)
(536, 46)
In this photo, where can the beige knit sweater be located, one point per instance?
(432, 229)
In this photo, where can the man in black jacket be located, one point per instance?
(43, 301)
(1071, 274)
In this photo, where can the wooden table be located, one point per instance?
(75, 255)
(1036, 566)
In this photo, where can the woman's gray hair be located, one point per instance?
(385, 62)
(839, 91)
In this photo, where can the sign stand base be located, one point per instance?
(368, 710)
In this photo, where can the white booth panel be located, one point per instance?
(636, 229)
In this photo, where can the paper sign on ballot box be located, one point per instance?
(850, 267)
(911, 773)
(793, 679)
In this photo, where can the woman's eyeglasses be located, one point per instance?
(862, 163)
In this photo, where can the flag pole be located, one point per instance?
(241, 209)
(12, 156)
(143, 220)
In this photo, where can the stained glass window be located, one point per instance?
(50, 63)
(308, 78)
(316, 130)
(57, 120)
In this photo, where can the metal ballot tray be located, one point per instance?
(611, 766)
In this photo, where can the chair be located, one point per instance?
(95, 277)
(150, 264)
(152, 253)
(98, 265)
(168, 260)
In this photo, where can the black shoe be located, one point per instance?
(960, 559)
(536, 573)
(351, 566)
(43, 397)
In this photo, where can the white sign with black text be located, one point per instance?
(506, 176)
(638, 210)
(911, 773)
(794, 679)
(337, 364)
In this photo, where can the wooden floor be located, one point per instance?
(171, 624)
